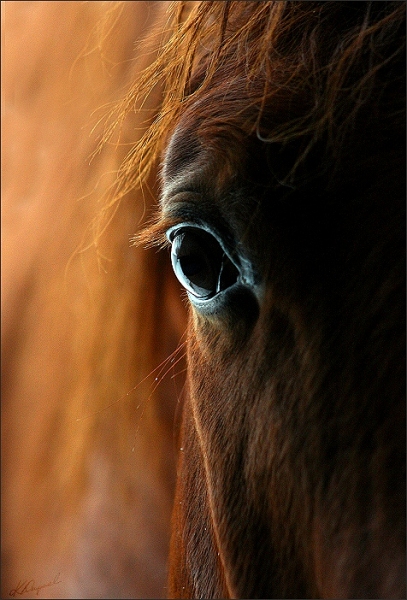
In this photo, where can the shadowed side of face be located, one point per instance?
(292, 476)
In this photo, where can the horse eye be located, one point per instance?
(200, 263)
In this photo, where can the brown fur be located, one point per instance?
(290, 135)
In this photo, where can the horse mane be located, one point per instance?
(276, 50)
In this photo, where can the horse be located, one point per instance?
(267, 164)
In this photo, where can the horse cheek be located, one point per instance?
(195, 569)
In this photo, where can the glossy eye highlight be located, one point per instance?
(200, 263)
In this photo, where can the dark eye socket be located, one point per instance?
(200, 263)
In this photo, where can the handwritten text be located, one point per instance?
(29, 586)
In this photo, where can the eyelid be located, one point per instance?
(193, 208)
(172, 231)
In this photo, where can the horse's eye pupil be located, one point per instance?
(191, 265)
(200, 263)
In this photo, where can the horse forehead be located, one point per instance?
(206, 185)
(211, 161)
(182, 153)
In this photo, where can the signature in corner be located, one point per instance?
(27, 586)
